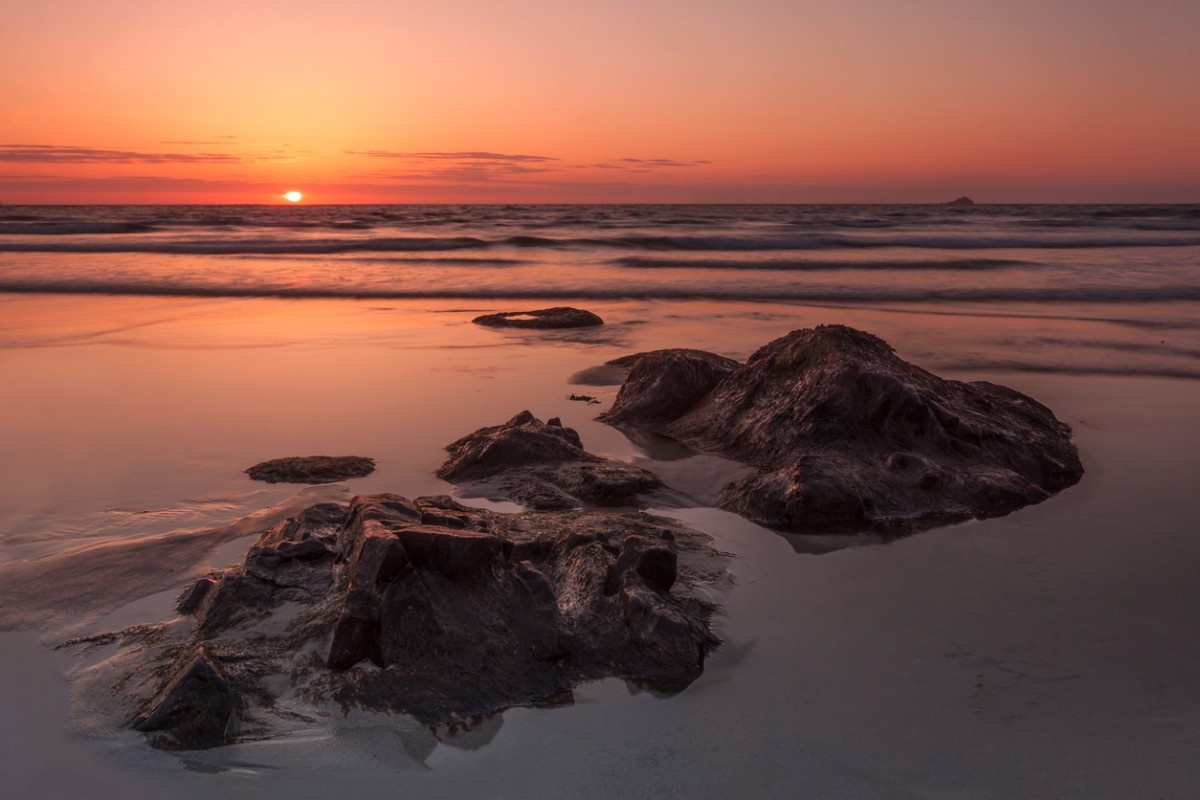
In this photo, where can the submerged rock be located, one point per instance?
(312, 469)
(541, 465)
(370, 605)
(558, 317)
(845, 436)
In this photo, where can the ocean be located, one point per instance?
(1138, 266)
(149, 354)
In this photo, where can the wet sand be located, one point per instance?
(1049, 653)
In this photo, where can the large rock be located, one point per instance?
(543, 318)
(543, 466)
(441, 622)
(846, 437)
(312, 469)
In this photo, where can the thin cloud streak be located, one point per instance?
(662, 162)
(55, 154)
(464, 156)
(221, 140)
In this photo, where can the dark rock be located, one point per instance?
(312, 469)
(960, 201)
(290, 561)
(558, 317)
(456, 554)
(512, 609)
(658, 568)
(522, 441)
(236, 597)
(378, 558)
(542, 466)
(664, 384)
(661, 636)
(356, 635)
(847, 437)
(444, 520)
(193, 709)
(655, 564)
(195, 595)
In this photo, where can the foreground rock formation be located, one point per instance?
(545, 318)
(847, 437)
(428, 608)
(312, 469)
(542, 466)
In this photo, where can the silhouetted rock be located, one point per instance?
(541, 465)
(848, 437)
(193, 709)
(507, 609)
(960, 201)
(312, 469)
(558, 317)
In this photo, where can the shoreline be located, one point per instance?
(1056, 638)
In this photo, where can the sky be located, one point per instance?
(370, 101)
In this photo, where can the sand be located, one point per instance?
(1047, 654)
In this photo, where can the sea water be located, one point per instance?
(149, 354)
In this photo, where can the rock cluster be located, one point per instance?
(845, 436)
(433, 609)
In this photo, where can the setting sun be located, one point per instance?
(293, 196)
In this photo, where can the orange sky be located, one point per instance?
(628, 101)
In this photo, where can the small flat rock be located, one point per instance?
(312, 469)
(543, 318)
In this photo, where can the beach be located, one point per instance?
(1047, 653)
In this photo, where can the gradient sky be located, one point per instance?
(627, 101)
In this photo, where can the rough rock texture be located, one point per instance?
(558, 317)
(543, 466)
(429, 608)
(663, 384)
(193, 709)
(312, 469)
(847, 437)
